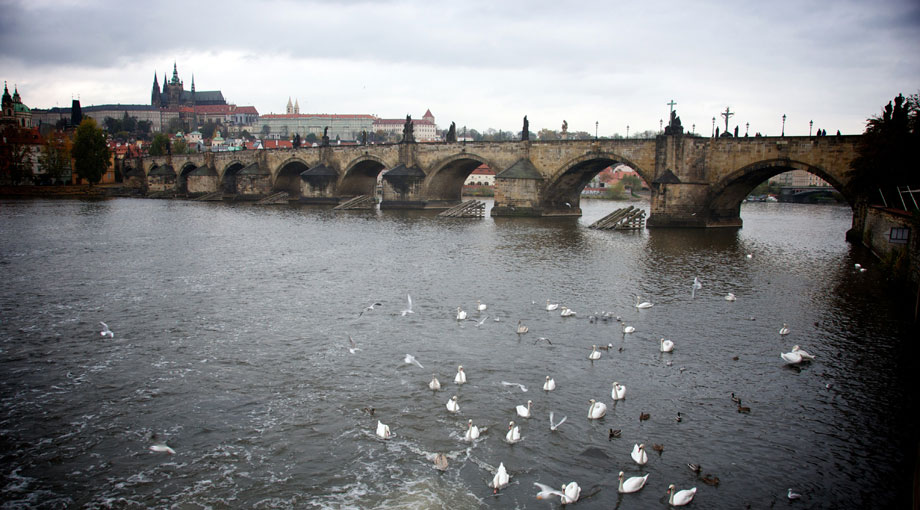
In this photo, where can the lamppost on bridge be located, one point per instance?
(660, 125)
(747, 127)
(783, 133)
(713, 127)
(693, 129)
(810, 123)
(596, 123)
(627, 131)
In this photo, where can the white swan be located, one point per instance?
(571, 493)
(472, 432)
(435, 384)
(551, 306)
(524, 411)
(791, 358)
(730, 297)
(595, 354)
(638, 454)
(452, 405)
(106, 332)
(628, 329)
(383, 431)
(618, 392)
(643, 304)
(632, 484)
(514, 433)
(665, 345)
(521, 328)
(784, 330)
(597, 410)
(805, 356)
(554, 426)
(480, 306)
(680, 498)
(461, 314)
(567, 312)
(501, 478)
(460, 378)
(550, 384)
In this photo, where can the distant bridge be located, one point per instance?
(694, 181)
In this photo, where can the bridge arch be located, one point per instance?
(360, 176)
(288, 176)
(565, 185)
(725, 196)
(182, 180)
(445, 181)
(228, 176)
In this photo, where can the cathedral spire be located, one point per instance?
(290, 107)
(193, 83)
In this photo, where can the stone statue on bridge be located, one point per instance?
(565, 129)
(452, 133)
(364, 137)
(525, 133)
(326, 136)
(408, 132)
(674, 126)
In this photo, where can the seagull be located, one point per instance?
(162, 448)
(551, 306)
(519, 385)
(554, 426)
(383, 431)
(106, 332)
(461, 314)
(524, 411)
(792, 495)
(784, 330)
(632, 484)
(435, 384)
(369, 308)
(644, 304)
(480, 322)
(665, 345)
(452, 405)
(410, 359)
(680, 498)
(480, 306)
(638, 454)
(460, 378)
(541, 339)
(696, 286)
(408, 309)
(354, 347)
(595, 354)
(501, 478)
(729, 297)
(550, 384)
(521, 328)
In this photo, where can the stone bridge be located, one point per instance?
(695, 181)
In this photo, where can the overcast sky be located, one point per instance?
(483, 64)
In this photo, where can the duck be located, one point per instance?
(461, 314)
(618, 392)
(551, 306)
(614, 433)
(805, 356)
(643, 304)
(521, 328)
(480, 306)
(567, 312)
(679, 417)
(694, 467)
(680, 498)
(709, 479)
(524, 411)
(658, 448)
(730, 297)
(665, 345)
(736, 399)
(550, 384)
(632, 484)
(501, 478)
(638, 454)
(792, 495)
(784, 330)
(440, 462)
(472, 431)
(595, 354)
(460, 378)
(383, 431)
(514, 433)
(605, 347)
(597, 410)
(435, 384)
(644, 416)
(452, 405)
(743, 409)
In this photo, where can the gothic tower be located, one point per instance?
(155, 93)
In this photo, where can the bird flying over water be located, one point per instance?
(696, 286)
(369, 308)
(554, 426)
(354, 346)
(408, 309)
(106, 332)
(410, 359)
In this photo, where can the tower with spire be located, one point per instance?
(174, 95)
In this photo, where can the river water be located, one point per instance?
(231, 328)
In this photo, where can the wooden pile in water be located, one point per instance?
(627, 218)
(468, 209)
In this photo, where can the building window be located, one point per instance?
(899, 235)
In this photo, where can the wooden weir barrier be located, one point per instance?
(627, 218)
(276, 198)
(468, 209)
(358, 202)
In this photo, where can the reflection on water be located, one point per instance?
(232, 325)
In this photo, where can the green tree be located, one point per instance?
(14, 158)
(180, 146)
(159, 146)
(887, 150)
(55, 158)
(548, 134)
(90, 151)
(266, 130)
(632, 182)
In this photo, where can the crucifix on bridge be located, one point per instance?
(671, 104)
(727, 113)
